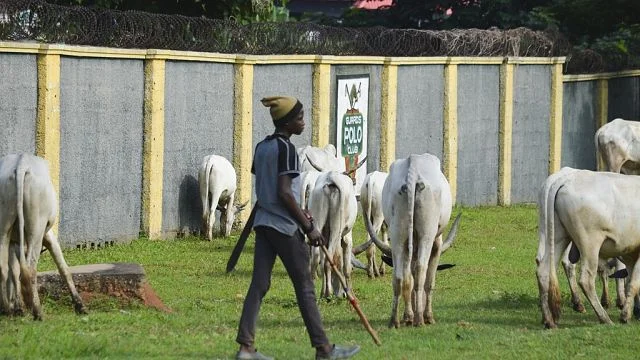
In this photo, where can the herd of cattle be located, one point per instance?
(584, 216)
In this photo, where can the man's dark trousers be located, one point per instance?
(294, 253)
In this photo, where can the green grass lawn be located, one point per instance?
(486, 307)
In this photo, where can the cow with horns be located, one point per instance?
(597, 212)
(416, 204)
(371, 203)
(217, 179)
(332, 203)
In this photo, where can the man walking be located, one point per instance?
(278, 220)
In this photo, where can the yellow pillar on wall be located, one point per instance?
(320, 114)
(153, 147)
(602, 116)
(506, 132)
(555, 131)
(243, 131)
(389, 107)
(48, 117)
(450, 135)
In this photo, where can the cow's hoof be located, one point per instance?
(579, 308)
(550, 325)
(394, 324)
(605, 303)
(80, 309)
(18, 311)
(430, 320)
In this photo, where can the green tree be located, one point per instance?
(241, 10)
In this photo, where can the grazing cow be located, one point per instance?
(371, 203)
(416, 203)
(29, 210)
(333, 205)
(597, 212)
(217, 179)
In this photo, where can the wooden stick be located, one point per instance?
(352, 298)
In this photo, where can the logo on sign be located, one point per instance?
(352, 128)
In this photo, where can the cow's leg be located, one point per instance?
(570, 271)
(636, 307)
(228, 216)
(632, 290)
(397, 286)
(377, 224)
(15, 295)
(589, 268)
(430, 284)
(385, 237)
(34, 235)
(612, 158)
(605, 300)
(5, 306)
(347, 268)
(547, 279)
(314, 262)
(620, 286)
(406, 286)
(213, 204)
(420, 274)
(371, 260)
(326, 277)
(51, 243)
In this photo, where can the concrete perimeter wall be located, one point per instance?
(125, 131)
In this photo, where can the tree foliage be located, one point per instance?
(241, 10)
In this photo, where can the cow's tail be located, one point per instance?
(547, 221)
(207, 178)
(26, 274)
(411, 201)
(334, 211)
(369, 198)
(599, 158)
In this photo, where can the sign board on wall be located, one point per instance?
(352, 113)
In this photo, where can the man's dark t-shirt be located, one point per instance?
(275, 156)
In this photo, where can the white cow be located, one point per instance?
(416, 203)
(618, 143)
(217, 179)
(333, 205)
(598, 212)
(307, 182)
(29, 210)
(320, 159)
(371, 203)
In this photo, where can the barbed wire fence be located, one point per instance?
(36, 20)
